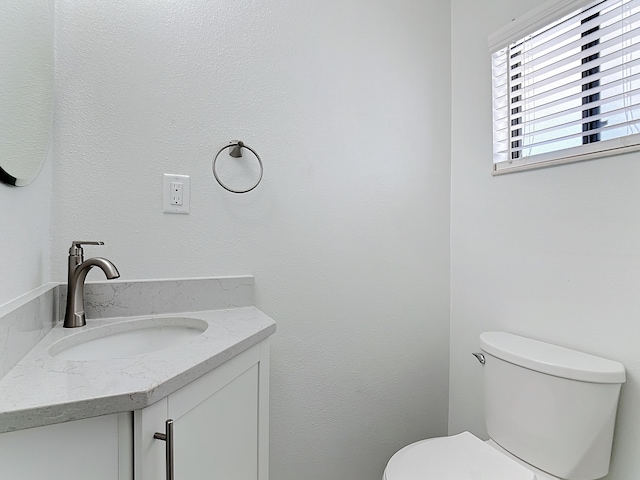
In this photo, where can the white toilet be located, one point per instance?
(550, 412)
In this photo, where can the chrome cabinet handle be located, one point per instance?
(167, 437)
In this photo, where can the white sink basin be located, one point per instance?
(128, 338)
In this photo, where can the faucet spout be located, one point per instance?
(105, 265)
(78, 270)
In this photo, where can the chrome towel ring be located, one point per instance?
(236, 147)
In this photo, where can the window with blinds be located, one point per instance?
(570, 90)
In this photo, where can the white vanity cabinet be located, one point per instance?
(220, 424)
(76, 405)
(221, 431)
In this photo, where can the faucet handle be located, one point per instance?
(76, 246)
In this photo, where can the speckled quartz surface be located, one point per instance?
(24, 322)
(149, 297)
(42, 389)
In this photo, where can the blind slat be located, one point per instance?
(572, 154)
(555, 43)
(580, 55)
(579, 81)
(579, 133)
(547, 118)
(611, 100)
(616, 42)
(524, 104)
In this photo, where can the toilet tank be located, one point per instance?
(550, 406)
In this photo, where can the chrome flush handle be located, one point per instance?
(480, 357)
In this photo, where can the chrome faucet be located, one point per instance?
(78, 269)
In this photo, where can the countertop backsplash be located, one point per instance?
(122, 298)
(24, 322)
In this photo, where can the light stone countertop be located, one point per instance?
(42, 390)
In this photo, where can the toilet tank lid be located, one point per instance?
(551, 359)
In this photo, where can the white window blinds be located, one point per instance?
(570, 90)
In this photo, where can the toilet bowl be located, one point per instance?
(550, 415)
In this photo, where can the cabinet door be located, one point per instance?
(220, 425)
(77, 450)
(217, 438)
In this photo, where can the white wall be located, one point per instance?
(347, 236)
(553, 254)
(24, 236)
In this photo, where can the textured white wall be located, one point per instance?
(347, 236)
(553, 254)
(24, 235)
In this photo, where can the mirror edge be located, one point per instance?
(5, 177)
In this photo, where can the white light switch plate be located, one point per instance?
(176, 190)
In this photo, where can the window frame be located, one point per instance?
(545, 15)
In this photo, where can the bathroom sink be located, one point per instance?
(128, 338)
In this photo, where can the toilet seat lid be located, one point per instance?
(459, 457)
